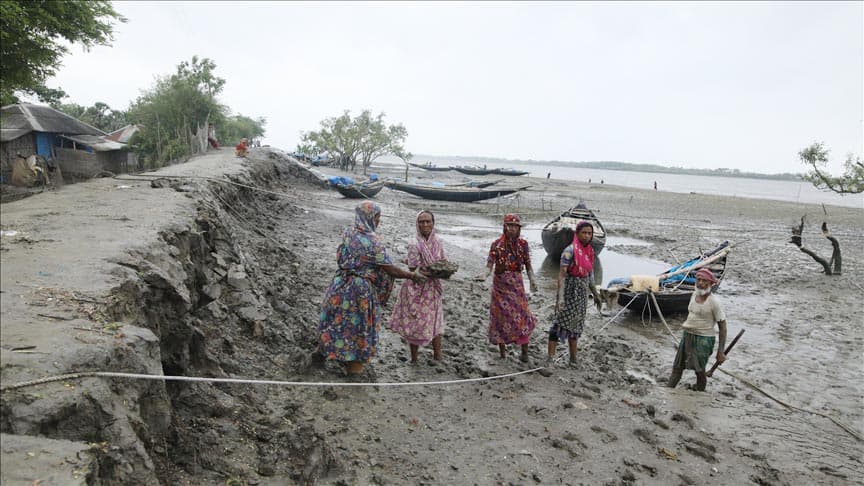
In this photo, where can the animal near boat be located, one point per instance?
(672, 289)
(453, 194)
(366, 190)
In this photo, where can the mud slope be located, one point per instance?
(216, 268)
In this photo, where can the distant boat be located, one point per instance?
(558, 233)
(676, 285)
(429, 166)
(474, 170)
(510, 172)
(365, 190)
(454, 194)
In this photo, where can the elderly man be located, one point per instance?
(698, 341)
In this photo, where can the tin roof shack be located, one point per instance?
(80, 150)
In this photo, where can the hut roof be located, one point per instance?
(22, 118)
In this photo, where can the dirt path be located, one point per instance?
(203, 278)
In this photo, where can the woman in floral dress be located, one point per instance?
(510, 319)
(351, 311)
(419, 312)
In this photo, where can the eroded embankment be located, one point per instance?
(220, 297)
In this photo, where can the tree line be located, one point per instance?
(173, 115)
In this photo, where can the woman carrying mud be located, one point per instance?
(510, 319)
(350, 313)
(419, 312)
(574, 280)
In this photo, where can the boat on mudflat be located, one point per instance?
(473, 170)
(363, 190)
(510, 172)
(453, 194)
(558, 233)
(671, 289)
(429, 166)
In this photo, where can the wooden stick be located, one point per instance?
(728, 348)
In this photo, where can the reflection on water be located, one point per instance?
(476, 234)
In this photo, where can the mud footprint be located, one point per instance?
(699, 448)
(605, 435)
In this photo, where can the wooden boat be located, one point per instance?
(429, 166)
(480, 184)
(676, 285)
(454, 194)
(475, 170)
(511, 172)
(364, 190)
(558, 233)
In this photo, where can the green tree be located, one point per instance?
(31, 41)
(816, 157)
(100, 115)
(364, 138)
(176, 111)
(238, 126)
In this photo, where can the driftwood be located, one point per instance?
(830, 267)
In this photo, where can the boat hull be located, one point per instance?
(559, 232)
(356, 191)
(672, 298)
(453, 195)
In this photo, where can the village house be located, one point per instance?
(80, 151)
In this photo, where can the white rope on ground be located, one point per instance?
(388, 384)
(140, 376)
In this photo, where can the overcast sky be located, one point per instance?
(705, 85)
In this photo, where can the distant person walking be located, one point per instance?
(548, 175)
(697, 343)
(655, 185)
(510, 319)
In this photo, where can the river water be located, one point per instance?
(780, 190)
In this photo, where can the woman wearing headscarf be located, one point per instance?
(574, 280)
(419, 312)
(350, 313)
(510, 319)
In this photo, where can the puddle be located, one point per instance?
(476, 234)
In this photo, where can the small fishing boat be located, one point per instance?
(671, 289)
(558, 233)
(361, 190)
(454, 194)
(480, 184)
(473, 170)
(510, 172)
(429, 166)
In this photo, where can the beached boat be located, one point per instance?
(510, 172)
(673, 288)
(558, 233)
(474, 170)
(454, 194)
(363, 190)
(429, 166)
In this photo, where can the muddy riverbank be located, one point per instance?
(181, 275)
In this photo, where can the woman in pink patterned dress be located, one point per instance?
(510, 319)
(419, 312)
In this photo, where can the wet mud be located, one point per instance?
(222, 280)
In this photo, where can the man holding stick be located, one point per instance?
(698, 341)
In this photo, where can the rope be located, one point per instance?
(148, 177)
(139, 376)
(793, 407)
